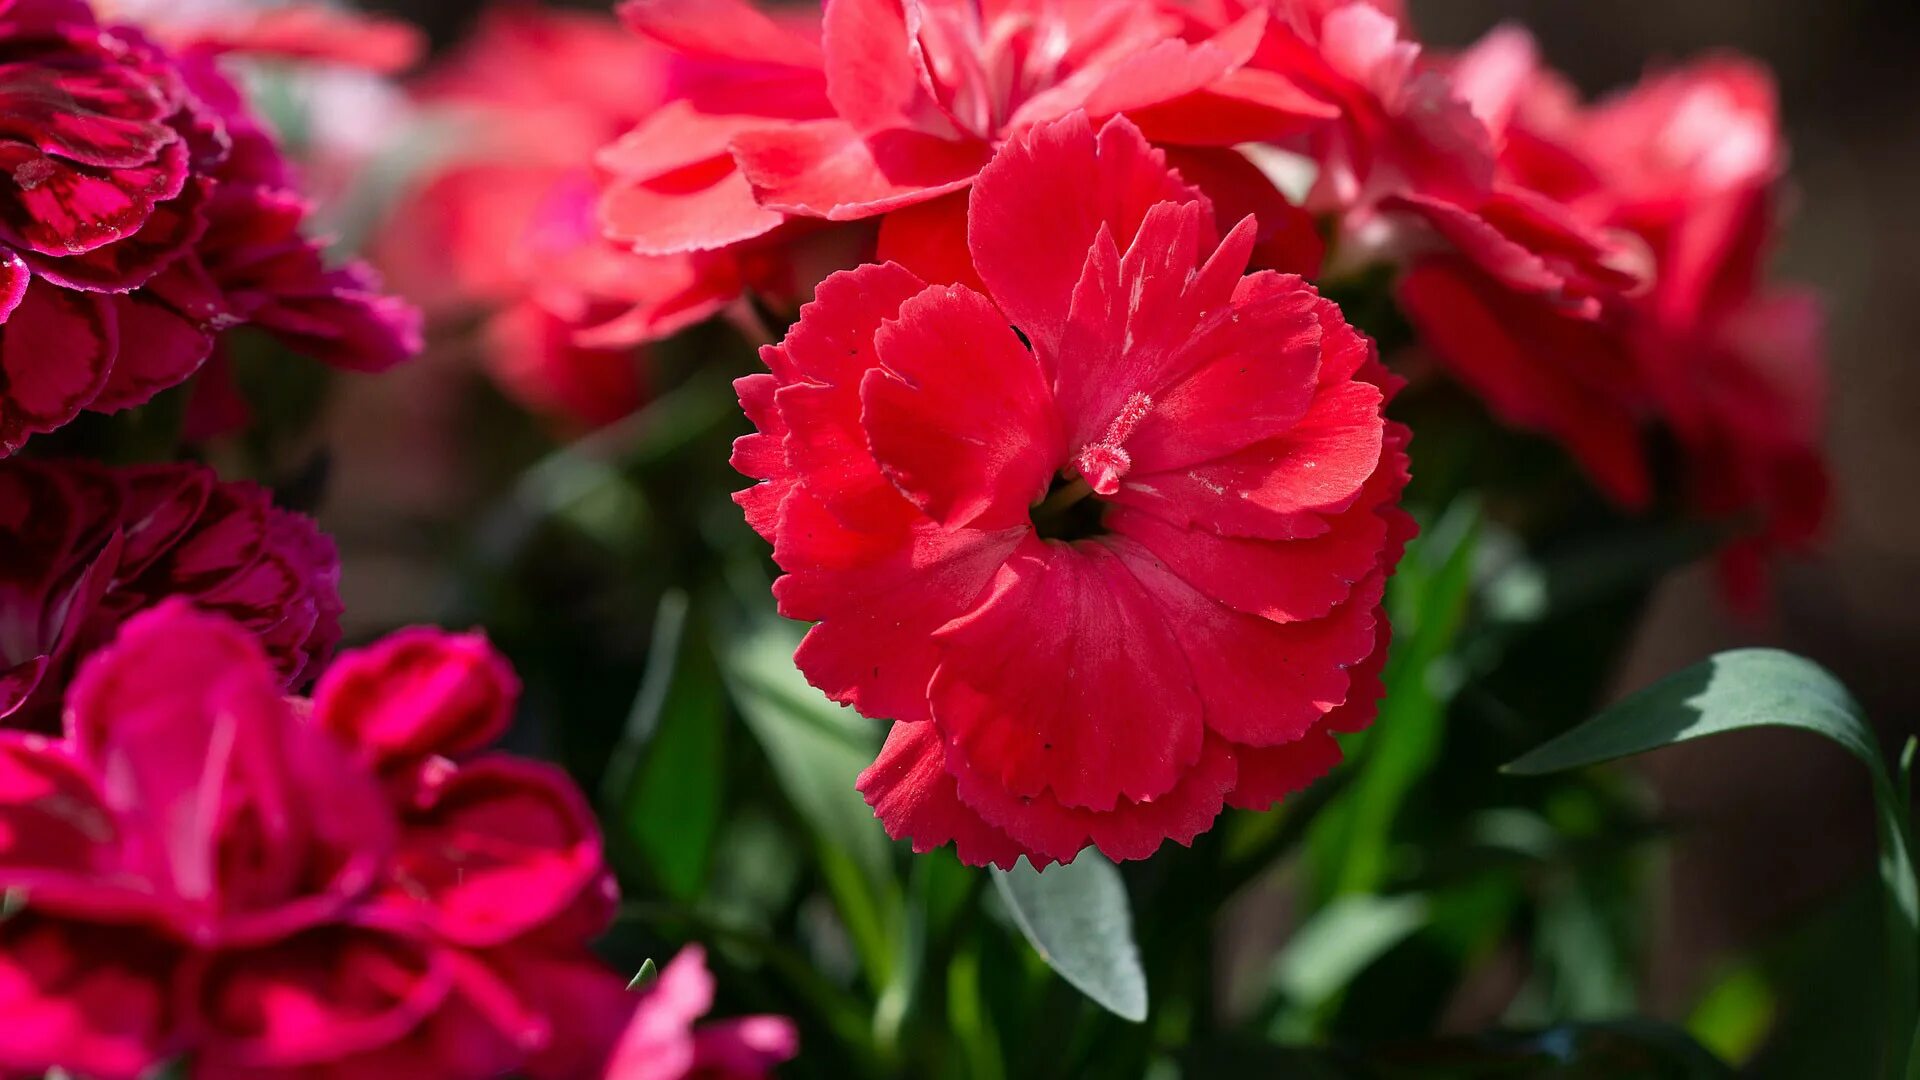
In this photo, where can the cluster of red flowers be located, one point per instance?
(1591, 272)
(146, 210)
(1082, 486)
(268, 886)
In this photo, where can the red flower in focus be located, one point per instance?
(84, 547)
(146, 213)
(269, 887)
(1627, 243)
(662, 1043)
(1110, 568)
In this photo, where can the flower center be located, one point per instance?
(1105, 462)
(1067, 513)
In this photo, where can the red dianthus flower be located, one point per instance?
(1108, 541)
(1676, 182)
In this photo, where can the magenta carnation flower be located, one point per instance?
(84, 547)
(268, 887)
(146, 212)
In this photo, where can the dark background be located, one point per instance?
(1769, 825)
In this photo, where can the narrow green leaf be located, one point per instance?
(663, 785)
(817, 749)
(1741, 689)
(1750, 688)
(647, 973)
(1428, 599)
(1077, 919)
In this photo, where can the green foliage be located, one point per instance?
(1077, 919)
(1752, 688)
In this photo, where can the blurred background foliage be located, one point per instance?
(1372, 926)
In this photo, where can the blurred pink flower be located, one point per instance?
(271, 887)
(662, 1042)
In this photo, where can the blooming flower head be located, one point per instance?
(1108, 540)
(662, 1043)
(146, 212)
(263, 886)
(84, 547)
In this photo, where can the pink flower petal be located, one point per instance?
(56, 352)
(494, 849)
(418, 693)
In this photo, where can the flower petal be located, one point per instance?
(418, 693)
(494, 849)
(1067, 679)
(92, 998)
(56, 352)
(1036, 210)
(913, 795)
(828, 169)
(960, 418)
(877, 600)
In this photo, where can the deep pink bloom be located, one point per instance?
(1626, 241)
(147, 212)
(271, 887)
(663, 1043)
(84, 547)
(1108, 573)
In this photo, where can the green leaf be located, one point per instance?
(647, 973)
(1750, 688)
(1331, 949)
(663, 786)
(1428, 599)
(1077, 919)
(1341, 940)
(817, 749)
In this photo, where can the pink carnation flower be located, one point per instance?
(270, 887)
(84, 547)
